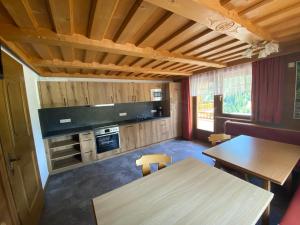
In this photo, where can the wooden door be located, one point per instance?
(18, 145)
(8, 215)
(100, 93)
(53, 94)
(77, 93)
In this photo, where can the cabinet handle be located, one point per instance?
(65, 102)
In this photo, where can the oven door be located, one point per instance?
(107, 142)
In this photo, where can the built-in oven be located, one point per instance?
(107, 138)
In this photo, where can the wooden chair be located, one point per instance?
(146, 160)
(217, 138)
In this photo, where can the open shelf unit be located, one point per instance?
(64, 151)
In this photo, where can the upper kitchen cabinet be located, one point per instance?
(100, 93)
(122, 92)
(77, 93)
(53, 94)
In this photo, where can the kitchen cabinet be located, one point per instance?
(122, 92)
(62, 94)
(129, 137)
(145, 133)
(77, 93)
(175, 109)
(160, 130)
(100, 93)
(53, 94)
(87, 146)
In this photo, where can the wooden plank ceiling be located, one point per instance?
(135, 39)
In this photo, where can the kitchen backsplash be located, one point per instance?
(55, 119)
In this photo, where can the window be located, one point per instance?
(205, 113)
(234, 83)
(237, 95)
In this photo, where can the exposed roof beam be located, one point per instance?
(47, 37)
(103, 76)
(97, 66)
(212, 14)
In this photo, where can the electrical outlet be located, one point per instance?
(123, 114)
(65, 121)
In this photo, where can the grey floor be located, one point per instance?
(69, 194)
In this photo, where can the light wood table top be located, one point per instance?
(266, 159)
(188, 192)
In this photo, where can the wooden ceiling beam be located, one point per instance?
(102, 76)
(254, 6)
(47, 37)
(21, 13)
(97, 66)
(101, 17)
(276, 13)
(212, 14)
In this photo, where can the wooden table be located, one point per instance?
(188, 192)
(270, 160)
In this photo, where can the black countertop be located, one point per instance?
(94, 126)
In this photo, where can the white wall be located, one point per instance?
(34, 104)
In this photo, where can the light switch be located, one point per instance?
(291, 65)
(65, 121)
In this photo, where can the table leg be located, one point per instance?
(266, 214)
(218, 164)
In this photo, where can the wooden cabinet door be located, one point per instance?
(145, 134)
(147, 92)
(122, 92)
(53, 94)
(129, 137)
(123, 138)
(88, 150)
(18, 146)
(139, 92)
(175, 103)
(77, 93)
(100, 93)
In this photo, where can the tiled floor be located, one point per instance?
(69, 194)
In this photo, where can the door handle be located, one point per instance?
(11, 159)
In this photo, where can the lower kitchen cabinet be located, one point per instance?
(87, 147)
(129, 137)
(145, 134)
(69, 151)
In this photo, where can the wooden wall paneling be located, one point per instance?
(53, 94)
(77, 93)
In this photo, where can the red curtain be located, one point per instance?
(187, 121)
(267, 89)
